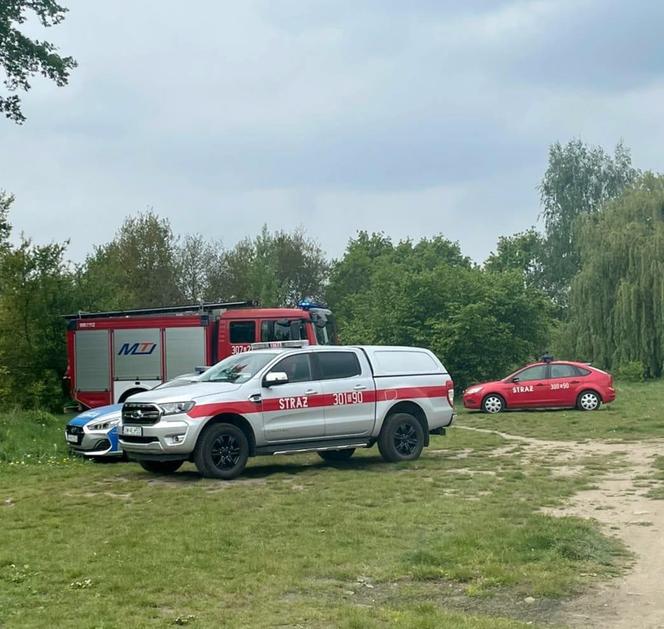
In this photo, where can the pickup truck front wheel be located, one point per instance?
(401, 438)
(222, 451)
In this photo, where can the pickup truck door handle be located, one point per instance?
(255, 398)
(359, 387)
(310, 392)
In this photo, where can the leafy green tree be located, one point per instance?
(196, 260)
(480, 323)
(36, 286)
(22, 57)
(617, 299)
(522, 252)
(137, 269)
(577, 181)
(6, 201)
(275, 268)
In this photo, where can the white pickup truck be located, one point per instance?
(281, 400)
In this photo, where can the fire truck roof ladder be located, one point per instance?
(195, 308)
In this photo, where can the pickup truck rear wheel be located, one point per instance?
(334, 456)
(222, 451)
(401, 438)
(161, 467)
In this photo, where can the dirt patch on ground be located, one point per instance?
(619, 502)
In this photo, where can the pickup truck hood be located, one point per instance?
(184, 392)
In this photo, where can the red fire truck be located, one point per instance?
(112, 355)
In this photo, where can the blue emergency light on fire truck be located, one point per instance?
(113, 355)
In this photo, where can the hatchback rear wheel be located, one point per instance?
(588, 401)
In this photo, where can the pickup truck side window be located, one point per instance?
(333, 365)
(297, 367)
(242, 331)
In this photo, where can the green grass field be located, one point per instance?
(455, 539)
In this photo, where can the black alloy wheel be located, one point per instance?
(222, 451)
(401, 438)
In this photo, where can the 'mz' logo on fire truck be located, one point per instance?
(137, 349)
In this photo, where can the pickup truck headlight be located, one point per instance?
(104, 424)
(173, 408)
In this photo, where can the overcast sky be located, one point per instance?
(412, 117)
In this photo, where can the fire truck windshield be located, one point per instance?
(325, 326)
(238, 368)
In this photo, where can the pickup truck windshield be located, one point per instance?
(238, 368)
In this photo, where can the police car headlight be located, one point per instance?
(103, 425)
(173, 408)
(473, 390)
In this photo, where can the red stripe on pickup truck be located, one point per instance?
(315, 401)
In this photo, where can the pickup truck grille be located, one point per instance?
(137, 413)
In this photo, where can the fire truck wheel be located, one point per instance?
(222, 451)
(335, 456)
(161, 467)
(401, 438)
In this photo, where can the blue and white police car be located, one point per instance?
(94, 433)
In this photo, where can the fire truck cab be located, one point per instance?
(112, 355)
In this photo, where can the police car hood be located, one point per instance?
(184, 391)
(102, 412)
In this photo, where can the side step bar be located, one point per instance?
(314, 446)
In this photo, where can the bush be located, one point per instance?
(632, 371)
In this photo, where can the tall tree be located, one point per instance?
(138, 268)
(480, 323)
(196, 261)
(22, 57)
(577, 181)
(36, 286)
(522, 252)
(617, 299)
(275, 268)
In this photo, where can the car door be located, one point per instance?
(564, 384)
(349, 389)
(529, 388)
(293, 411)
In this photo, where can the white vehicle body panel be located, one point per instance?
(319, 409)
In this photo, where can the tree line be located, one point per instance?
(589, 287)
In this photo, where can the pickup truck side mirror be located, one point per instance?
(274, 378)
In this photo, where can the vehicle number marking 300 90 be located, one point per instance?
(348, 397)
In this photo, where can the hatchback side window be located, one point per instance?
(297, 367)
(334, 365)
(538, 372)
(563, 371)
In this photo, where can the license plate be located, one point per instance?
(71, 438)
(132, 431)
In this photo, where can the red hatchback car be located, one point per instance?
(553, 384)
